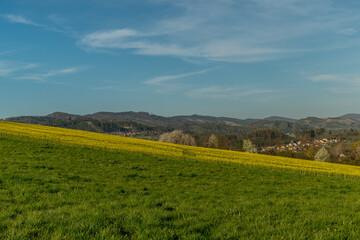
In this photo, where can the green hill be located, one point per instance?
(57, 191)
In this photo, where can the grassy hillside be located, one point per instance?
(138, 146)
(59, 184)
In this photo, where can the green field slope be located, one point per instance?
(50, 190)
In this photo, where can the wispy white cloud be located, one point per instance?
(348, 31)
(343, 90)
(339, 78)
(163, 79)
(218, 50)
(20, 19)
(106, 88)
(132, 39)
(2, 53)
(166, 85)
(339, 83)
(43, 77)
(8, 68)
(25, 71)
(5, 69)
(220, 92)
(236, 31)
(111, 38)
(114, 88)
(328, 78)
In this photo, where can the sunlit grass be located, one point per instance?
(51, 190)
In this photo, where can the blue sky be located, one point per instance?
(244, 58)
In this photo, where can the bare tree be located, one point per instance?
(177, 137)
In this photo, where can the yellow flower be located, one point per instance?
(89, 139)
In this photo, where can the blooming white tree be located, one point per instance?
(322, 155)
(249, 147)
(212, 142)
(177, 137)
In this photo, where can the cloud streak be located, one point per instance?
(162, 79)
(216, 50)
(328, 78)
(338, 78)
(220, 92)
(8, 68)
(43, 77)
(20, 19)
(339, 83)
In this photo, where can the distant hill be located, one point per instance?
(64, 120)
(277, 118)
(354, 116)
(141, 117)
(62, 115)
(331, 123)
(284, 126)
(152, 119)
(110, 122)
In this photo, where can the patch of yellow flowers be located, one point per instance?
(90, 139)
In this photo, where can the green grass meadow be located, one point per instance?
(54, 191)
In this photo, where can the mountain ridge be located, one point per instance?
(354, 116)
(195, 121)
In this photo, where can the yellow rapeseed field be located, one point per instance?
(90, 139)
